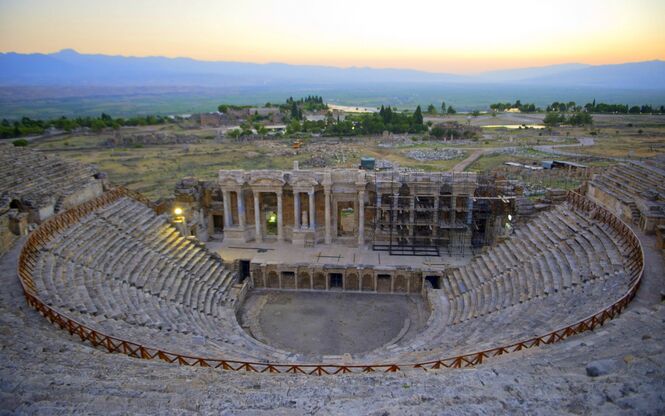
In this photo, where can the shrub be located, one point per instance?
(20, 142)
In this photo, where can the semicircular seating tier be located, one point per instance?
(558, 269)
(127, 272)
(45, 184)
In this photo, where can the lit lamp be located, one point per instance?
(177, 215)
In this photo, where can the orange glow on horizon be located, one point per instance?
(426, 35)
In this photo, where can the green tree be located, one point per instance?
(438, 132)
(431, 109)
(553, 119)
(451, 110)
(443, 107)
(293, 127)
(418, 116)
(580, 119)
(97, 125)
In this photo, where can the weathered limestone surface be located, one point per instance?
(331, 206)
(634, 191)
(126, 271)
(45, 371)
(44, 184)
(34, 186)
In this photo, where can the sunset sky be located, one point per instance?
(443, 36)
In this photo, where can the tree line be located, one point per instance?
(30, 127)
(387, 119)
(432, 110)
(572, 106)
(580, 118)
(524, 108)
(311, 103)
(623, 108)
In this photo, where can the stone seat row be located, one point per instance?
(148, 253)
(544, 265)
(619, 191)
(125, 271)
(581, 259)
(517, 322)
(31, 170)
(541, 236)
(640, 178)
(117, 308)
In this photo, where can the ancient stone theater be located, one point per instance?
(434, 269)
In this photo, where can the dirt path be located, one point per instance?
(461, 166)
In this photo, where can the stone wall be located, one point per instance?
(338, 278)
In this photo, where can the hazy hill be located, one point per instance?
(68, 67)
(634, 75)
(71, 84)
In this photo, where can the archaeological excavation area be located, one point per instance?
(324, 271)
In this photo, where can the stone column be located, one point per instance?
(435, 216)
(257, 216)
(395, 206)
(327, 206)
(361, 218)
(469, 207)
(241, 208)
(412, 215)
(453, 208)
(227, 209)
(296, 210)
(280, 217)
(377, 215)
(312, 212)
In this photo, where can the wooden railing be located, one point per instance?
(54, 225)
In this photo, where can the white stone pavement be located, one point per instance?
(285, 253)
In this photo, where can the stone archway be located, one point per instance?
(257, 278)
(272, 280)
(351, 282)
(368, 282)
(288, 280)
(304, 281)
(399, 284)
(383, 283)
(319, 281)
(416, 283)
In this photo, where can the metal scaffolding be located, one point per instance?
(420, 214)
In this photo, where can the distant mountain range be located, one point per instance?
(70, 68)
